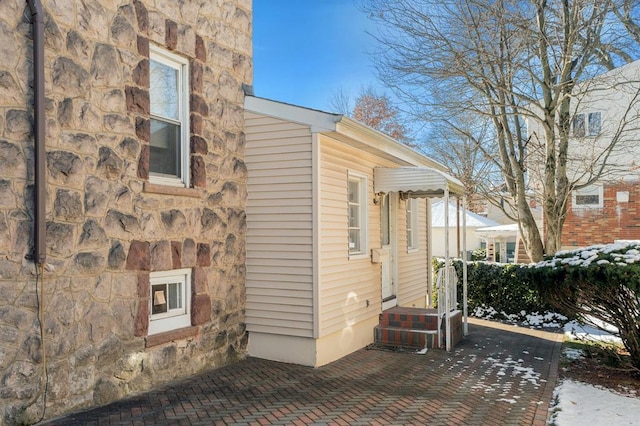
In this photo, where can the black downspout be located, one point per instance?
(37, 18)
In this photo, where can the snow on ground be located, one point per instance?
(580, 403)
(577, 331)
(576, 403)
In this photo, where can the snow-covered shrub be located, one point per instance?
(499, 291)
(601, 282)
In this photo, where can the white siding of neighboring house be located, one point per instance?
(614, 95)
(279, 283)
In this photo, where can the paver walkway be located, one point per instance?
(498, 375)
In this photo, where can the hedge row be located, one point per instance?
(500, 291)
(599, 282)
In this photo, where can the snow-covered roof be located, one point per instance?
(473, 220)
(511, 227)
(500, 231)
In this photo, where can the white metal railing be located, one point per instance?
(447, 287)
(452, 300)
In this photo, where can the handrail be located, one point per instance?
(447, 298)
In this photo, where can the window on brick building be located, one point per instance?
(588, 197)
(169, 101)
(170, 300)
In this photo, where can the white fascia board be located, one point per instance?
(318, 121)
(380, 142)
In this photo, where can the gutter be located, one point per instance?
(37, 18)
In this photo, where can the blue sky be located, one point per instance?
(306, 50)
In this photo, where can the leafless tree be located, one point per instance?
(340, 102)
(515, 63)
(466, 146)
(373, 109)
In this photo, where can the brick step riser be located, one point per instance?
(415, 322)
(404, 338)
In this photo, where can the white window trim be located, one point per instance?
(412, 224)
(586, 120)
(588, 124)
(589, 190)
(363, 181)
(181, 64)
(160, 323)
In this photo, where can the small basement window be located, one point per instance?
(170, 300)
(588, 197)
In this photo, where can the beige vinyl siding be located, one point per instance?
(412, 267)
(347, 284)
(279, 285)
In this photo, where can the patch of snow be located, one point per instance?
(535, 319)
(573, 354)
(603, 333)
(579, 404)
(621, 252)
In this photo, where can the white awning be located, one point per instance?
(415, 182)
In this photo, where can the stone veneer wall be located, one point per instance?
(107, 227)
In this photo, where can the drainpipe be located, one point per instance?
(37, 18)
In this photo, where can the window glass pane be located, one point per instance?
(582, 200)
(175, 295)
(164, 91)
(357, 208)
(578, 126)
(354, 216)
(594, 123)
(354, 189)
(511, 251)
(159, 299)
(409, 219)
(354, 240)
(385, 223)
(164, 155)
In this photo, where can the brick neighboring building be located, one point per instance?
(617, 219)
(145, 204)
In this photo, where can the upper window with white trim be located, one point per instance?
(412, 224)
(357, 205)
(589, 124)
(169, 101)
(170, 300)
(588, 197)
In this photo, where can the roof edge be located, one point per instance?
(319, 121)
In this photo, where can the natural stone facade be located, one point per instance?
(108, 228)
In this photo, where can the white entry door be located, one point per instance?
(388, 238)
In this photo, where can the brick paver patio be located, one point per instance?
(498, 375)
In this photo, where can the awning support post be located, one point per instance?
(447, 277)
(465, 311)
